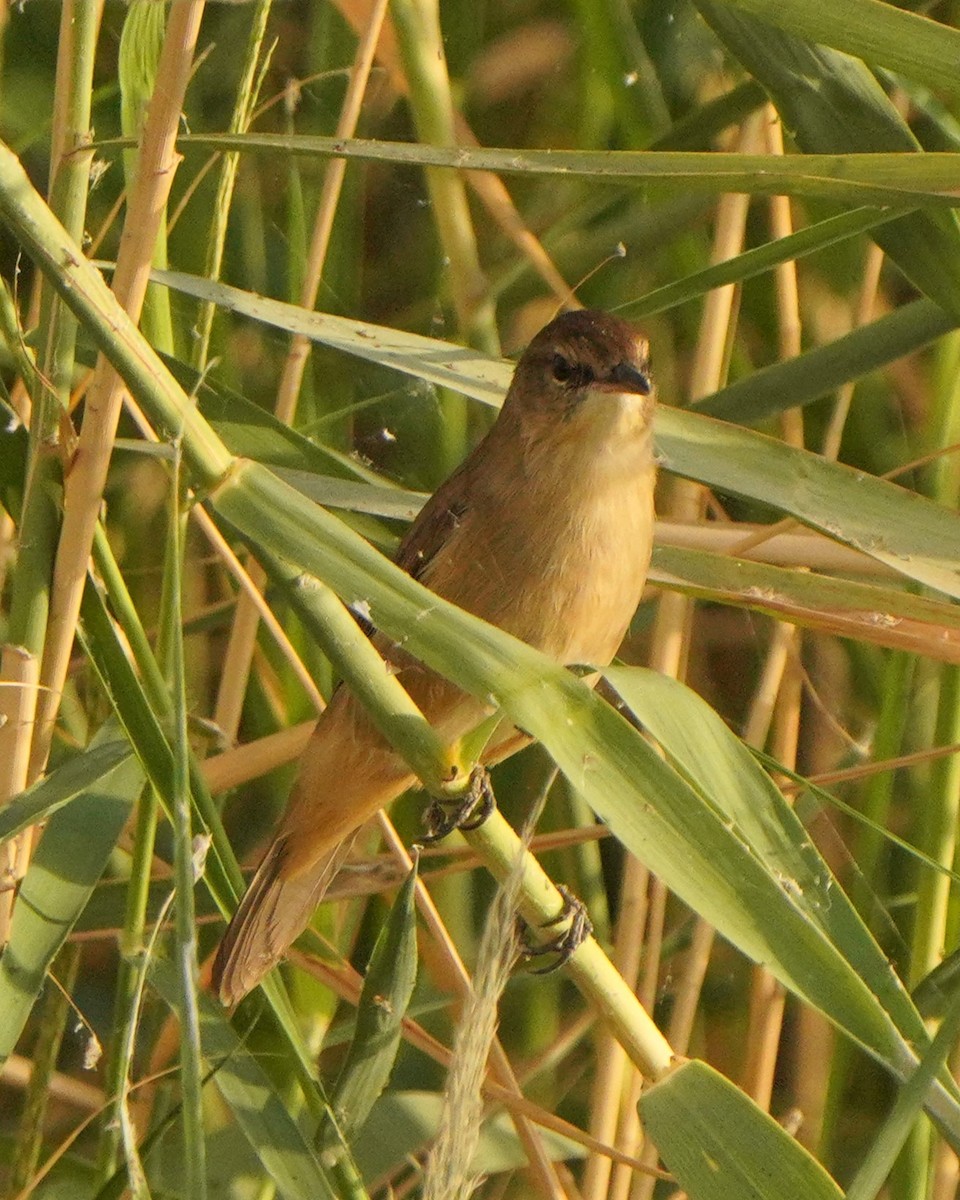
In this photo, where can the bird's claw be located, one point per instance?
(465, 812)
(577, 928)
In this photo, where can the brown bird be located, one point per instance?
(545, 530)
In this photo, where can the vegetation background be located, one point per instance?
(766, 187)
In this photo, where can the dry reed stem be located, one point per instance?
(248, 589)
(767, 995)
(88, 1097)
(83, 490)
(807, 1073)
(251, 761)
(863, 314)
(630, 1133)
(19, 680)
(614, 1075)
(780, 545)
(672, 627)
(8, 541)
(243, 633)
(772, 996)
(332, 187)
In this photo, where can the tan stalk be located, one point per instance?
(8, 537)
(19, 678)
(492, 193)
(77, 1093)
(863, 313)
(629, 1132)
(251, 593)
(815, 1032)
(778, 686)
(606, 1103)
(243, 633)
(85, 481)
(254, 759)
(672, 628)
(791, 547)
(946, 1177)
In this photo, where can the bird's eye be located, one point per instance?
(561, 370)
(564, 371)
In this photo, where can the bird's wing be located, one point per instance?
(436, 522)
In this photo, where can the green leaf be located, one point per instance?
(69, 860)
(813, 238)
(820, 371)
(902, 1119)
(76, 776)
(725, 774)
(261, 1112)
(458, 367)
(867, 178)
(384, 1000)
(721, 1146)
(916, 537)
(883, 34)
(920, 539)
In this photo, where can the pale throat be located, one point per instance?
(607, 440)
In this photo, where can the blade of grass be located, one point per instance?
(882, 34)
(819, 371)
(721, 1146)
(258, 1107)
(763, 258)
(62, 786)
(70, 858)
(896, 1129)
(868, 178)
(920, 540)
(387, 990)
(884, 616)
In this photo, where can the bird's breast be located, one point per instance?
(557, 553)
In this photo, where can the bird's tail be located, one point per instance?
(273, 913)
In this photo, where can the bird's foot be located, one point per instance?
(577, 928)
(465, 812)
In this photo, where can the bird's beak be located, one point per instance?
(628, 378)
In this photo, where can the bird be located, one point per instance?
(544, 530)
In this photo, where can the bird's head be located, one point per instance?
(585, 378)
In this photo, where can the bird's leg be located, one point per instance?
(466, 811)
(577, 928)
